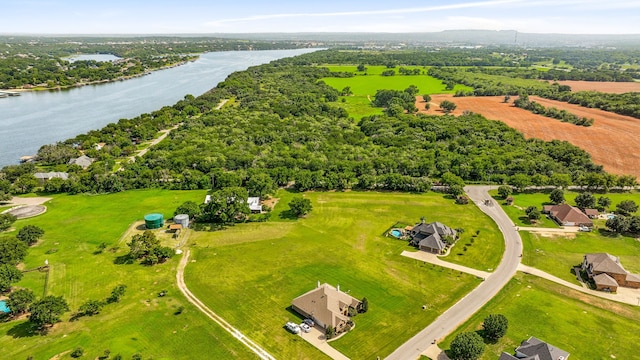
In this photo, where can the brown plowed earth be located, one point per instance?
(602, 86)
(613, 141)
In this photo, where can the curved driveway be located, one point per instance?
(467, 306)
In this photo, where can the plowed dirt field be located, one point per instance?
(613, 141)
(607, 87)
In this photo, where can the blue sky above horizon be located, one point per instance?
(250, 16)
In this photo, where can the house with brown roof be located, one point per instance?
(567, 215)
(327, 306)
(591, 213)
(536, 349)
(607, 273)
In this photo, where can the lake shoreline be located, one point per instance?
(98, 82)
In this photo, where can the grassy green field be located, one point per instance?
(558, 254)
(368, 84)
(365, 84)
(587, 327)
(142, 322)
(249, 273)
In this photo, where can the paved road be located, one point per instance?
(260, 352)
(467, 306)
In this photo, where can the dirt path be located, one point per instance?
(15, 201)
(262, 354)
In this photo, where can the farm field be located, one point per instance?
(602, 86)
(611, 141)
(249, 273)
(141, 322)
(587, 327)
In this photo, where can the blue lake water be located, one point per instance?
(43, 117)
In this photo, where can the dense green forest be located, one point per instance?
(286, 127)
(41, 61)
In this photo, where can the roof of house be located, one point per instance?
(566, 213)
(603, 262)
(175, 226)
(434, 228)
(433, 241)
(51, 175)
(324, 303)
(605, 280)
(591, 212)
(505, 356)
(254, 203)
(633, 277)
(83, 161)
(535, 348)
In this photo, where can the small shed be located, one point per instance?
(182, 219)
(153, 221)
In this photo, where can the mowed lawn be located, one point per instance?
(249, 273)
(365, 84)
(587, 327)
(142, 322)
(558, 254)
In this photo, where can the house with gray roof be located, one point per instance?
(607, 273)
(432, 237)
(43, 177)
(536, 349)
(83, 161)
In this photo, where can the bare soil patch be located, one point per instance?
(611, 141)
(602, 86)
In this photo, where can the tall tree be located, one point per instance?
(466, 346)
(504, 191)
(585, 201)
(626, 207)
(495, 326)
(226, 206)
(47, 311)
(30, 234)
(447, 106)
(12, 250)
(300, 206)
(8, 275)
(6, 220)
(556, 196)
(20, 300)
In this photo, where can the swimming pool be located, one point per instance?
(611, 216)
(396, 233)
(3, 307)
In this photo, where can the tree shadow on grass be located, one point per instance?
(288, 215)
(23, 330)
(123, 259)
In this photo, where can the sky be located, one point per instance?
(251, 16)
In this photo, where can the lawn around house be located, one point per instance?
(142, 322)
(587, 327)
(249, 273)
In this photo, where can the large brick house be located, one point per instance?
(607, 272)
(567, 215)
(327, 306)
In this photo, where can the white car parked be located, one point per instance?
(306, 328)
(293, 327)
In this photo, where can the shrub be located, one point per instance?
(77, 352)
